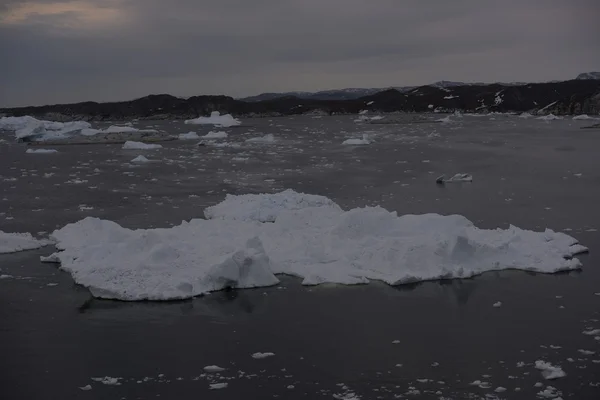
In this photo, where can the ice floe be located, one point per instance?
(455, 178)
(216, 135)
(355, 142)
(269, 138)
(41, 151)
(549, 117)
(549, 371)
(140, 159)
(188, 136)
(251, 238)
(14, 242)
(131, 145)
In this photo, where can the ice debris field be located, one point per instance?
(246, 240)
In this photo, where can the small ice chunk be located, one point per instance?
(259, 356)
(355, 142)
(586, 352)
(215, 135)
(41, 151)
(86, 387)
(140, 159)
(216, 386)
(395, 342)
(549, 117)
(131, 145)
(188, 136)
(500, 389)
(549, 371)
(213, 368)
(592, 332)
(107, 380)
(460, 177)
(497, 304)
(269, 138)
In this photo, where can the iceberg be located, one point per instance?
(247, 240)
(29, 128)
(216, 119)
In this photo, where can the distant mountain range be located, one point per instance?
(356, 93)
(577, 96)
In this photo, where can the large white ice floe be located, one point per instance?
(251, 238)
(215, 119)
(14, 242)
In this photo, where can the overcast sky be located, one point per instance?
(68, 51)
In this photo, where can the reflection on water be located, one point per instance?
(218, 307)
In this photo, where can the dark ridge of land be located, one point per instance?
(578, 96)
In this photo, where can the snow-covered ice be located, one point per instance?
(355, 142)
(188, 136)
(216, 386)
(30, 127)
(131, 145)
(14, 242)
(215, 119)
(259, 356)
(140, 159)
(549, 117)
(268, 138)
(584, 117)
(549, 371)
(265, 208)
(41, 151)
(107, 380)
(460, 177)
(307, 236)
(591, 332)
(213, 368)
(216, 135)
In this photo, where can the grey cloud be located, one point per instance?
(241, 47)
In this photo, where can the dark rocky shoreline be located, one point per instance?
(579, 96)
